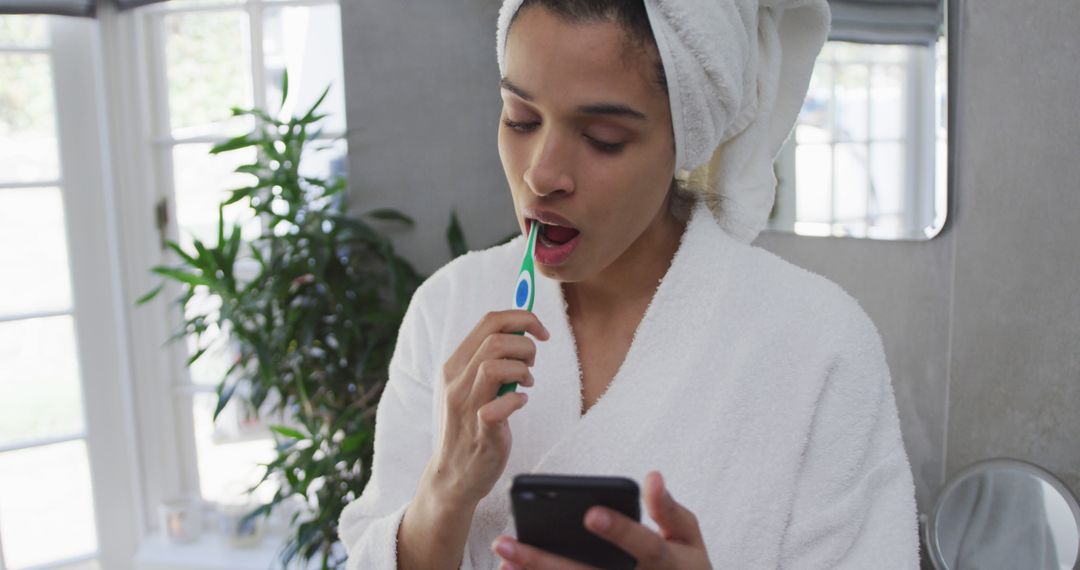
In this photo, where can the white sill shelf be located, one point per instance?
(210, 552)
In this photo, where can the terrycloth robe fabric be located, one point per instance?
(759, 390)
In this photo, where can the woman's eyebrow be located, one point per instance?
(615, 109)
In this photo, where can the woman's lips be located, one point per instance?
(553, 254)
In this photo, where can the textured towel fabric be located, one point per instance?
(760, 391)
(737, 73)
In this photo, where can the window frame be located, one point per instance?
(97, 295)
(921, 166)
(143, 143)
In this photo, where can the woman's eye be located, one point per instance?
(606, 147)
(521, 127)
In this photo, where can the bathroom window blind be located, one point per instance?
(913, 22)
(86, 8)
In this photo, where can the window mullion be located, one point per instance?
(28, 185)
(35, 315)
(258, 66)
(868, 217)
(42, 442)
(832, 147)
(98, 298)
(3, 564)
(64, 562)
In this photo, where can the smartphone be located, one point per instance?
(549, 513)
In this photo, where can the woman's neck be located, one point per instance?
(628, 284)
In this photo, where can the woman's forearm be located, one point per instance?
(434, 529)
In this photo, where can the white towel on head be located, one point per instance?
(737, 73)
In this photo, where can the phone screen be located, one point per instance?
(549, 513)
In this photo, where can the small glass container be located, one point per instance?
(239, 529)
(181, 520)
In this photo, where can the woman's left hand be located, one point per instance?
(678, 545)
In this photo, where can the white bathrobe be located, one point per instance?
(759, 390)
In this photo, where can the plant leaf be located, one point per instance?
(181, 253)
(191, 360)
(284, 87)
(181, 276)
(225, 393)
(353, 442)
(288, 432)
(390, 214)
(309, 117)
(234, 143)
(455, 237)
(153, 293)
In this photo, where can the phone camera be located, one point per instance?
(528, 495)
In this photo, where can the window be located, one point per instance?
(60, 374)
(869, 141)
(204, 58)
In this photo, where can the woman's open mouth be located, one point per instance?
(554, 243)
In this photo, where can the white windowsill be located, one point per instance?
(210, 552)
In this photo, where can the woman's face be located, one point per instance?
(585, 135)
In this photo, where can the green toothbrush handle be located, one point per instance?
(511, 387)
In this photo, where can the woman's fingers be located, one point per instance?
(499, 347)
(492, 374)
(676, 522)
(518, 556)
(649, 548)
(497, 411)
(496, 322)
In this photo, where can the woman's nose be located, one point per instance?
(551, 166)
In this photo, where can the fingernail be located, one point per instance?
(505, 548)
(600, 520)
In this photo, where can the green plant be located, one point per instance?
(314, 325)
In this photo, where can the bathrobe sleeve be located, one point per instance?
(854, 504)
(403, 445)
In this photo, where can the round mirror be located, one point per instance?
(1005, 513)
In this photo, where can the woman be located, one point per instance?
(640, 134)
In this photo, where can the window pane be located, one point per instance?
(208, 71)
(325, 159)
(306, 40)
(201, 184)
(887, 173)
(851, 104)
(33, 252)
(40, 395)
(813, 167)
(815, 118)
(851, 180)
(210, 368)
(230, 452)
(888, 113)
(28, 151)
(23, 31)
(46, 503)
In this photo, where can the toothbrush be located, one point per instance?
(525, 290)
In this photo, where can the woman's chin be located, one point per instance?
(566, 273)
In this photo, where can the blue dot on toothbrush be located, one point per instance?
(521, 296)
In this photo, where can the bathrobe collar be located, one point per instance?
(685, 296)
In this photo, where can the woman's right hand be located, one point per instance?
(475, 443)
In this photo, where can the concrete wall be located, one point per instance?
(423, 96)
(981, 325)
